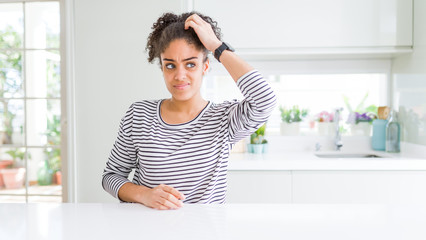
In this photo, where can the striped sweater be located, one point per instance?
(193, 156)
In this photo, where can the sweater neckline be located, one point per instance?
(180, 125)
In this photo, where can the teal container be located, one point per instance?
(378, 140)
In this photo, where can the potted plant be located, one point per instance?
(4, 164)
(291, 118)
(360, 119)
(325, 124)
(14, 175)
(53, 155)
(258, 143)
(360, 124)
(54, 162)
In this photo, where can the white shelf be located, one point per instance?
(322, 53)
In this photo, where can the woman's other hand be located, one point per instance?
(204, 32)
(162, 197)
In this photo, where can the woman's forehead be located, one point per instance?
(181, 50)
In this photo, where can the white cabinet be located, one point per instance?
(277, 24)
(259, 187)
(359, 186)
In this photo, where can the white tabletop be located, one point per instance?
(227, 221)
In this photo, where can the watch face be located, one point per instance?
(229, 47)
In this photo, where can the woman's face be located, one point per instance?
(183, 69)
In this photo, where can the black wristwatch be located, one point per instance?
(221, 48)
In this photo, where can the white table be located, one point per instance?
(227, 221)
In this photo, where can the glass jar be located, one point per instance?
(393, 131)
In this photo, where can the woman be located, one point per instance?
(180, 146)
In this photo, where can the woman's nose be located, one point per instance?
(180, 73)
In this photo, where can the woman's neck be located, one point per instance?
(191, 106)
(176, 112)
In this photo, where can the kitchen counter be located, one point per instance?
(226, 221)
(308, 161)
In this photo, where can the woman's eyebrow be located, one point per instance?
(186, 59)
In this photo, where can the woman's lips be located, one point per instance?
(181, 86)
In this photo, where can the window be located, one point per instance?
(315, 86)
(30, 102)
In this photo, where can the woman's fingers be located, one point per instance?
(173, 191)
(169, 200)
(164, 197)
(197, 19)
(160, 206)
(204, 31)
(190, 23)
(169, 204)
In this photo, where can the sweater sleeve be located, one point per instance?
(248, 115)
(122, 158)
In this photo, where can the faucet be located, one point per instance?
(317, 147)
(337, 138)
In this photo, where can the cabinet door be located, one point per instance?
(359, 186)
(312, 23)
(259, 187)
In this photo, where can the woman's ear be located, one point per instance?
(206, 66)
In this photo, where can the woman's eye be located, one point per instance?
(190, 65)
(170, 66)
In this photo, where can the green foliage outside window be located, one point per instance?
(10, 78)
(11, 86)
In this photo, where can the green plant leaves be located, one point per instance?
(294, 114)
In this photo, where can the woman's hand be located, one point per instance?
(204, 32)
(235, 65)
(162, 197)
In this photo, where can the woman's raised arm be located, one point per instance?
(235, 65)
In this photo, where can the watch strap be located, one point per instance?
(218, 52)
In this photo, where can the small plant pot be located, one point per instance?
(326, 128)
(58, 177)
(257, 148)
(290, 129)
(4, 164)
(250, 148)
(13, 178)
(361, 129)
(265, 148)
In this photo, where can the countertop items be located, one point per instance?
(309, 161)
(227, 221)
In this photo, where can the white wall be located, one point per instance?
(111, 72)
(409, 75)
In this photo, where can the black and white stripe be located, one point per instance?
(191, 157)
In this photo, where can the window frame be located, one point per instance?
(62, 98)
(317, 66)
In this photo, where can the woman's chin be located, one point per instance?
(181, 97)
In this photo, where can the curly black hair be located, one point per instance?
(170, 27)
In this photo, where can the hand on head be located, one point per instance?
(204, 32)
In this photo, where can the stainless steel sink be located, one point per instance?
(347, 155)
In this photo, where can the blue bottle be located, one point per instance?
(393, 130)
(378, 140)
